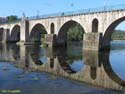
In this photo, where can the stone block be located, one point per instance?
(92, 41)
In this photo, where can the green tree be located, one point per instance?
(75, 33)
(12, 18)
(118, 35)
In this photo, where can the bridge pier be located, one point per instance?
(6, 36)
(50, 40)
(24, 34)
(92, 42)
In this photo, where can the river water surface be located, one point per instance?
(38, 70)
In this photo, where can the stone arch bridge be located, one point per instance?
(94, 22)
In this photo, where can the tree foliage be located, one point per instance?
(118, 35)
(75, 33)
(12, 18)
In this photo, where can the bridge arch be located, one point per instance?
(1, 34)
(52, 28)
(37, 33)
(109, 31)
(63, 31)
(15, 34)
(95, 25)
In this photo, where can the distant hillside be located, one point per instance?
(118, 35)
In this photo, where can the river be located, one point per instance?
(37, 70)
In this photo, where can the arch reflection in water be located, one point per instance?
(70, 62)
(15, 51)
(38, 55)
(9, 52)
(117, 61)
(77, 65)
(113, 62)
(94, 72)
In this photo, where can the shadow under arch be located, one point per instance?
(62, 34)
(15, 34)
(109, 31)
(1, 34)
(108, 69)
(37, 33)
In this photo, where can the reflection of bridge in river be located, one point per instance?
(96, 70)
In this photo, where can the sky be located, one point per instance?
(40, 7)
